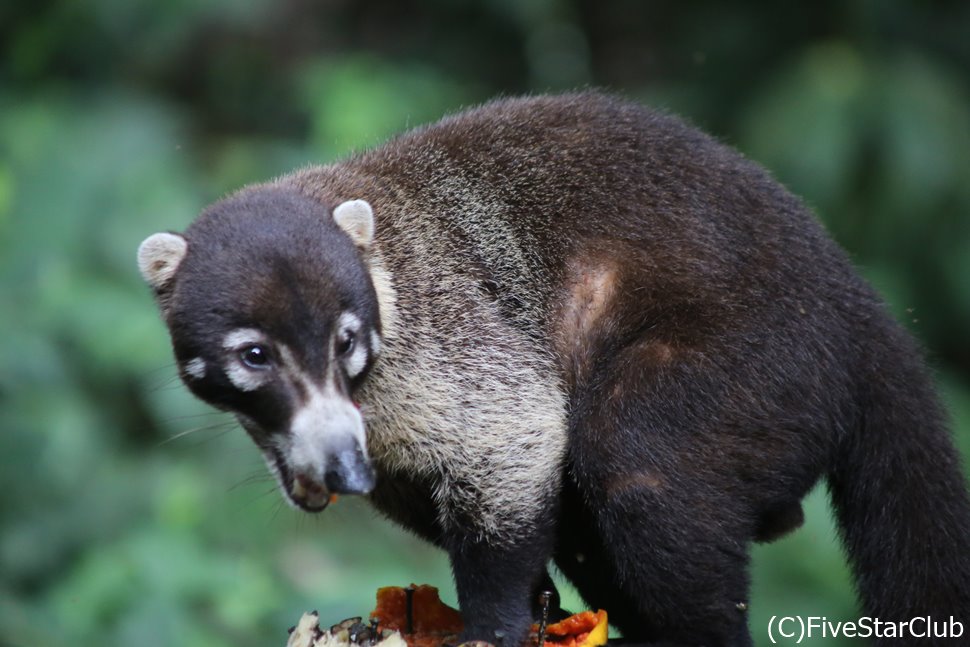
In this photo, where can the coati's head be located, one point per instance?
(273, 317)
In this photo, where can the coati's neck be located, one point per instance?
(386, 294)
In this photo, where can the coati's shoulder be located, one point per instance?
(582, 216)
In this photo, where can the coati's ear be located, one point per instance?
(159, 257)
(357, 219)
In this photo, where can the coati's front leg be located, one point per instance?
(484, 444)
(498, 581)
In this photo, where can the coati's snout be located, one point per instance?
(318, 457)
(323, 452)
(273, 317)
(320, 454)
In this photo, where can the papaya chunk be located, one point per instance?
(431, 622)
(429, 615)
(585, 629)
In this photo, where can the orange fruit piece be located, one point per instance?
(433, 622)
(584, 629)
(429, 615)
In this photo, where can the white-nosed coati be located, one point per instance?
(572, 328)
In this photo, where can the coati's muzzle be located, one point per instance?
(324, 453)
(346, 471)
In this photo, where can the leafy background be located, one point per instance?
(130, 514)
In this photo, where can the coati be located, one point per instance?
(570, 328)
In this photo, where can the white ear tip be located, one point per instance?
(357, 206)
(357, 219)
(159, 257)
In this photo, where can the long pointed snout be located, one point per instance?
(326, 453)
(340, 468)
(349, 471)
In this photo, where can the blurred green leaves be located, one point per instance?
(821, 92)
(881, 147)
(349, 100)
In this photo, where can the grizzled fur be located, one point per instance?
(606, 340)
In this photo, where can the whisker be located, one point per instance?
(212, 437)
(262, 477)
(173, 384)
(248, 502)
(158, 381)
(154, 372)
(277, 507)
(266, 493)
(227, 425)
(205, 414)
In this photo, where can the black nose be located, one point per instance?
(349, 471)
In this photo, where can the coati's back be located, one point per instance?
(585, 305)
(549, 207)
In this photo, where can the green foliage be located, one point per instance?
(131, 514)
(349, 99)
(883, 145)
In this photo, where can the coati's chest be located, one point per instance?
(463, 399)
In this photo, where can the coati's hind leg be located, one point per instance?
(667, 550)
(662, 583)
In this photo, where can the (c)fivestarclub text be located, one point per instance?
(795, 629)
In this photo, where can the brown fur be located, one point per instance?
(604, 334)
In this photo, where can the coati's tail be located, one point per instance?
(900, 496)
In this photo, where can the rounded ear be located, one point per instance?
(159, 257)
(357, 219)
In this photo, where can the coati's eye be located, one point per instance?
(255, 356)
(345, 343)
